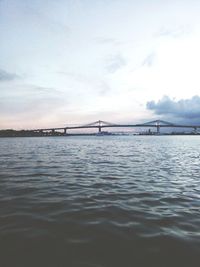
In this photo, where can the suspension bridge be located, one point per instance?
(101, 125)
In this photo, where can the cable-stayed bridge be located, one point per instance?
(100, 125)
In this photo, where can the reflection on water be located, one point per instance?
(100, 201)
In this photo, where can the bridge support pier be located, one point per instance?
(99, 126)
(158, 129)
(65, 130)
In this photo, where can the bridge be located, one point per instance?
(99, 125)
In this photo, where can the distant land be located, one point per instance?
(32, 133)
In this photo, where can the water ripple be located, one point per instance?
(113, 201)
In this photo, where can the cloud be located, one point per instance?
(107, 40)
(174, 32)
(30, 99)
(89, 82)
(49, 22)
(46, 90)
(7, 76)
(149, 60)
(115, 62)
(183, 109)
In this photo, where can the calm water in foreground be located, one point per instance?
(100, 201)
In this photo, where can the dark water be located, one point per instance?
(100, 201)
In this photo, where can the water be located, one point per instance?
(100, 201)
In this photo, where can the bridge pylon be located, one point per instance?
(158, 127)
(99, 128)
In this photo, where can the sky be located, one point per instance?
(77, 61)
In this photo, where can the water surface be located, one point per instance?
(100, 201)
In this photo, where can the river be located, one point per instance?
(104, 201)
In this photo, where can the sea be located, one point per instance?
(100, 201)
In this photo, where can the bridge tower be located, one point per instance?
(99, 126)
(157, 124)
(158, 128)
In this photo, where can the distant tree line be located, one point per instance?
(26, 133)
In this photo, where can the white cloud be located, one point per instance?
(115, 62)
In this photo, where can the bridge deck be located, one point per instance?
(119, 126)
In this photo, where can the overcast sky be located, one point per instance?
(71, 61)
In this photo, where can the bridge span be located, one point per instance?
(99, 125)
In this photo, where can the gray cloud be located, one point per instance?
(186, 109)
(7, 76)
(113, 63)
